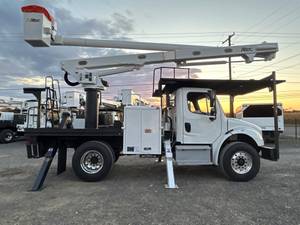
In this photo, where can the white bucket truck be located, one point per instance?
(189, 129)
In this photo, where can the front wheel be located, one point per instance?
(239, 161)
(93, 160)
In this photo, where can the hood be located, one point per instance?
(234, 123)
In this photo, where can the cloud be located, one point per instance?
(22, 65)
(115, 26)
(37, 80)
(20, 62)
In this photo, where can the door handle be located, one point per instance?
(187, 127)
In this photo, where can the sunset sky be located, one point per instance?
(203, 22)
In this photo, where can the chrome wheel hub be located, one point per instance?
(91, 162)
(8, 137)
(241, 162)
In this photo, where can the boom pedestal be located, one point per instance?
(91, 108)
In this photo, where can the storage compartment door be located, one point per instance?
(151, 132)
(132, 131)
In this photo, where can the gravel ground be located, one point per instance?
(133, 193)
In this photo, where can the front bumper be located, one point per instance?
(270, 153)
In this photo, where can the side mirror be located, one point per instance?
(212, 96)
(213, 113)
(213, 110)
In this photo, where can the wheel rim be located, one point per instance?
(8, 137)
(241, 162)
(91, 162)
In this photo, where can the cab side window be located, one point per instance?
(198, 103)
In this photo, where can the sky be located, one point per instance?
(198, 22)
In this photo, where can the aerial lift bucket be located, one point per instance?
(38, 26)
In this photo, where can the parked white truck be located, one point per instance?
(262, 115)
(189, 128)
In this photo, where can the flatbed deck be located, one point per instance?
(56, 132)
(39, 140)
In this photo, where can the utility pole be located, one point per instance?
(230, 75)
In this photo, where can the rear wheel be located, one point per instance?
(6, 136)
(239, 161)
(93, 160)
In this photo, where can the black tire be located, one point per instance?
(7, 136)
(99, 151)
(235, 161)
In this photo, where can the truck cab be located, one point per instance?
(200, 132)
(201, 127)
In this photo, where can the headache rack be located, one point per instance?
(170, 72)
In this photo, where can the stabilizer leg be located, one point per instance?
(39, 181)
(169, 163)
(61, 159)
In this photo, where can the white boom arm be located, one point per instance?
(248, 52)
(118, 70)
(40, 31)
(83, 42)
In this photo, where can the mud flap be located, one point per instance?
(269, 153)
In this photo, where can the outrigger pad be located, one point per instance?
(39, 181)
(169, 166)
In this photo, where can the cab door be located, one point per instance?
(202, 124)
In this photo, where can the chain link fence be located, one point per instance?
(292, 129)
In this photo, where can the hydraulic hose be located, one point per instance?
(70, 83)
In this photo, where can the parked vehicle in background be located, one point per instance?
(8, 125)
(28, 110)
(262, 115)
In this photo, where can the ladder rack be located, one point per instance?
(52, 101)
